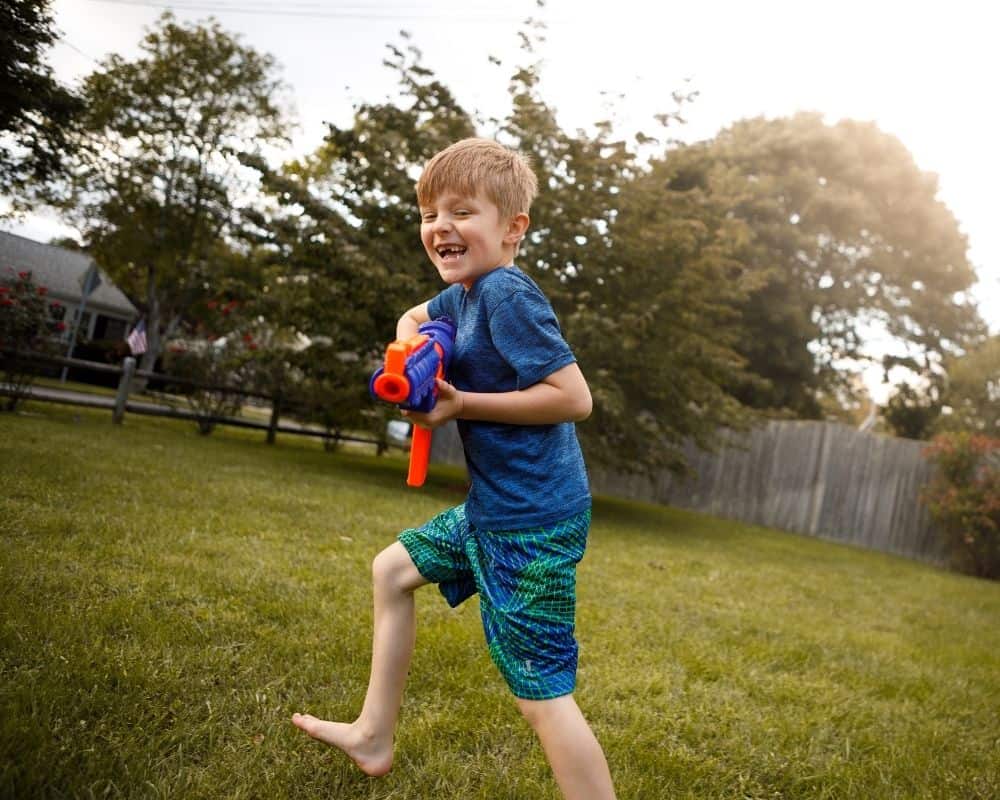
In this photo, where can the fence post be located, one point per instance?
(272, 426)
(124, 385)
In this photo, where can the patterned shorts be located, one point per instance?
(526, 582)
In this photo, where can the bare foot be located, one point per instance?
(373, 757)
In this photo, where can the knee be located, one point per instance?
(533, 711)
(393, 569)
(542, 714)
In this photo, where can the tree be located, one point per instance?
(36, 113)
(158, 182)
(848, 236)
(911, 413)
(972, 391)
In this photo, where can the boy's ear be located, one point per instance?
(516, 228)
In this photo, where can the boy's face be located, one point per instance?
(465, 237)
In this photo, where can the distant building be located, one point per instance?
(108, 313)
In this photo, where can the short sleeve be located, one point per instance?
(526, 334)
(444, 304)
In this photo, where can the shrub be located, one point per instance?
(218, 356)
(218, 370)
(964, 498)
(29, 323)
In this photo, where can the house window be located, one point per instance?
(109, 328)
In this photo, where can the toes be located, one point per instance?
(306, 722)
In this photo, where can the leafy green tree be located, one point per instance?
(848, 236)
(36, 112)
(973, 391)
(159, 186)
(912, 413)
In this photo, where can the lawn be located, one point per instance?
(168, 600)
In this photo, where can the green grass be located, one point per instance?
(74, 386)
(168, 600)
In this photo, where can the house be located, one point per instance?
(108, 313)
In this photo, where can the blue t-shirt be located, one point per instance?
(508, 338)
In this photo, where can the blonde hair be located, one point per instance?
(480, 166)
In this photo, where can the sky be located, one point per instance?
(923, 71)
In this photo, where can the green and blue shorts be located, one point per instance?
(526, 581)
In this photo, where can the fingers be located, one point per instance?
(447, 407)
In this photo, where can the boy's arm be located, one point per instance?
(563, 396)
(411, 320)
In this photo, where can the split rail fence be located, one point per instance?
(128, 374)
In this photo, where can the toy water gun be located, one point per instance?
(408, 379)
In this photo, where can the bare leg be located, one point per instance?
(368, 740)
(571, 748)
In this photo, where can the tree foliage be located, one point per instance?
(850, 240)
(972, 391)
(158, 182)
(36, 112)
(911, 413)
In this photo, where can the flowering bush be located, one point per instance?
(964, 499)
(29, 323)
(218, 356)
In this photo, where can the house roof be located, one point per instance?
(62, 271)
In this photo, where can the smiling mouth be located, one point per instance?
(451, 252)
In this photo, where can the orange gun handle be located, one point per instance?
(420, 456)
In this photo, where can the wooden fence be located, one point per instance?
(166, 407)
(817, 478)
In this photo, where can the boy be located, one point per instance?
(515, 390)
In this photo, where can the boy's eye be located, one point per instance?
(428, 217)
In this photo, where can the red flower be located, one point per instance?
(55, 304)
(252, 346)
(43, 290)
(247, 337)
(212, 303)
(6, 302)
(60, 326)
(24, 275)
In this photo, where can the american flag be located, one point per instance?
(137, 339)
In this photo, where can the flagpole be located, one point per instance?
(91, 280)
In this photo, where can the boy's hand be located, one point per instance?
(449, 406)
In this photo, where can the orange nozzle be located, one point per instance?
(392, 387)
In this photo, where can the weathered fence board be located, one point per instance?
(817, 478)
